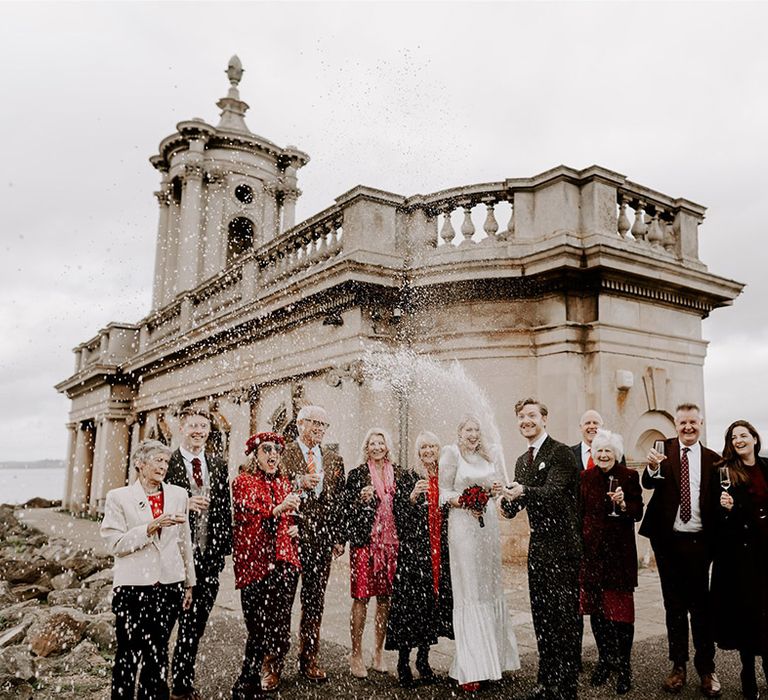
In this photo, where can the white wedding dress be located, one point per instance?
(485, 642)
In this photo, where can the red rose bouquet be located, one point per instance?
(475, 498)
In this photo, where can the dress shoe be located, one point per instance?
(312, 672)
(600, 675)
(623, 682)
(710, 685)
(470, 687)
(270, 681)
(675, 680)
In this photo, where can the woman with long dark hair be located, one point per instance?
(740, 568)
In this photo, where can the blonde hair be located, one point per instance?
(482, 449)
(387, 442)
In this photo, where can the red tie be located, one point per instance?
(197, 472)
(530, 456)
(685, 487)
(590, 461)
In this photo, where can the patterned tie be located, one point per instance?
(685, 487)
(530, 457)
(311, 466)
(590, 461)
(197, 472)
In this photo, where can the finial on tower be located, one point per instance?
(233, 109)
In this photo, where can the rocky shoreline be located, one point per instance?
(56, 625)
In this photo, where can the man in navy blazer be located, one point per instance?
(591, 421)
(206, 479)
(679, 521)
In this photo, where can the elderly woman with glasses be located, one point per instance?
(266, 560)
(145, 527)
(611, 502)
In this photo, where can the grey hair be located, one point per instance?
(387, 441)
(146, 449)
(425, 437)
(605, 438)
(306, 410)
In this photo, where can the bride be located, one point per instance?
(485, 642)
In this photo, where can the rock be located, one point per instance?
(12, 688)
(6, 596)
(99, 579)
(30, 572)
(84, 598)
(16, 661)
(68, 579)
(102, 632)
(16, 612)
(15, 635)
(56, 633)
(83, 565)
(39, 502)
(56, 550)
(27, 592)
(84, 658)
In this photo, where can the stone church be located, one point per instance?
(579, 287)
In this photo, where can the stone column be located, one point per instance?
(81, 471)
(110, 470)
(215, 243)
(66, 497)
(161, 248)
(189, 229)
(270, 221)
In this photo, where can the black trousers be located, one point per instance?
(192, 624)
(315, 570)
(683, 561)
(144, 618)
(267, 613)
(554, 590)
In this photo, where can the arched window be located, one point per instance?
(240, 238)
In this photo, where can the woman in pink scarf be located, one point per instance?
(373, 544)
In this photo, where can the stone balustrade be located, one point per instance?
(507, 220)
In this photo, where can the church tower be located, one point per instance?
(224, 192)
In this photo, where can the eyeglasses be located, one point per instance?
(268, 448)
(317, 423)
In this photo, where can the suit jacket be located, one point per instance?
(322, 524)
(660, 514)
(219, 543)
(550, 496)
(141, 559)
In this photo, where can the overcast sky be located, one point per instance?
(403, 97)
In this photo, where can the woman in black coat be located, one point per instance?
(608, 576)
(369, 496)
(740, 567)
(422, 603)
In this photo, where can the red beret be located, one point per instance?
(252, 443)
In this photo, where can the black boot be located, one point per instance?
(748, 676)
(404, 674)
(625, 634)
(422, 664)
(604, 639)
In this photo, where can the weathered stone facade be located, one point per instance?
(576, 286)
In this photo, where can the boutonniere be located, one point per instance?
(542, 466)
(142, 505)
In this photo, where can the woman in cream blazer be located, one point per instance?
(146, 529)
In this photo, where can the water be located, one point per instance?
(427, 387)
(19, 485)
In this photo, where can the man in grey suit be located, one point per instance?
(547, 486)
(206, 479)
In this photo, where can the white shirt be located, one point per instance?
(318, 456)
(188, 457)
(536, 444)
(586, 453)
(694, 474)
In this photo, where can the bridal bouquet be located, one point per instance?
(475, 498)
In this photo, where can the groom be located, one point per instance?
(547, 486)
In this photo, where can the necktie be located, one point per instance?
(685, 487)
(530, 456)
(590, 461)
(197, 472)
(311, 466)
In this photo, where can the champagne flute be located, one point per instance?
(297, 488)
(725, 478)
(613, 484)
(425, 498)
(659, 446)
